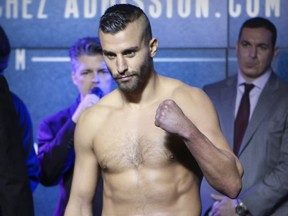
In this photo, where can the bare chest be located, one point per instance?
(132, 141)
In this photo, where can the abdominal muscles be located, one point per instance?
(153, 180)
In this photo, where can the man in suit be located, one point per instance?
(15, 191)
(264, 148)
(56, 132)
(23, 118)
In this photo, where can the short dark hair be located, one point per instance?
(5, 50)
(260, 22)
(85, 46)
(117, 17)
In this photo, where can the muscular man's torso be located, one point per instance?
(146, 171)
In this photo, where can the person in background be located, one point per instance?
(24, 123)
(152, 139)
(18, 161)
(56, 132)
(264, 148)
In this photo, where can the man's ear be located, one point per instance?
(276, 51)
(237, 48)
(73, 78)
(153, 45)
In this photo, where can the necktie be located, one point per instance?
(242, 118)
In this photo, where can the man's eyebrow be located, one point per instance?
(245, 41)
(258, 44)
(135, 48)
(107, 52)
(130, 49)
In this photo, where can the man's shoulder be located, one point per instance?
(275, 86)
(281, 88)
(21, 109)
(110, 101)
(175, 86)
(226, 83)
(282, 84)
(18, 103)
(60, 116)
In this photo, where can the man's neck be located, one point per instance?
(145, 96)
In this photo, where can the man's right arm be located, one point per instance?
(56, 141)
(86, 170)
(16, 195)
(56, 151)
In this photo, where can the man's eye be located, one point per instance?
(129, 53)
(85, 73)
(263, 48)
(103, 71)
(109, 55)
(244, 44)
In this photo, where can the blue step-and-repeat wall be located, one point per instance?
(196, 37)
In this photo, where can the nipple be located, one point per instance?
(172, 157)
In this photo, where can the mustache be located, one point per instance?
(119, 76)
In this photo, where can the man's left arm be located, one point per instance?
(201, 133)
(26, 131)
(273, 189)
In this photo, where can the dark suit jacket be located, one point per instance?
(26, 131)
(56, 156)
(15, 191)
(264, 149)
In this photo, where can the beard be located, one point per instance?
(139, 79)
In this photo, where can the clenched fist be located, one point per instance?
(88, 101)
(170, 117)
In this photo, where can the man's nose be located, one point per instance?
(96, 77)
(253, 52)
(121, 65)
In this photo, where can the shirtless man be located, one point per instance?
(153, 138)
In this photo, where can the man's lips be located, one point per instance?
(251, 65)
(125, 77)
